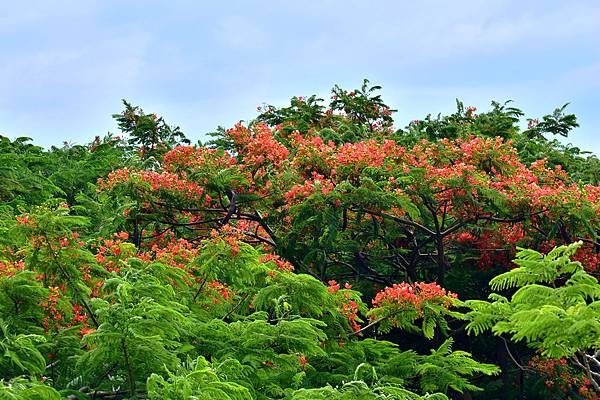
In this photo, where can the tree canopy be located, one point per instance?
(317, 251)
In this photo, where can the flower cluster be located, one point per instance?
(10, 268)
(495, 244)
(316, 185)
(560, 376)
(586, 255)
(158, 182)
(54, 315)
(416, 296)
(184, 159)
(218, 291)
(177, 253)
(312, 154)
(354, 157)
(346, 302)
(257, 146)
(111, 253)
(263, 149)
(478, 182)
(280, 263)
(80, 318)
(25, 220)
(230, 235)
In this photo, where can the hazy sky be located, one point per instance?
(65, 65)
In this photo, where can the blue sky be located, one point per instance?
(65, 65)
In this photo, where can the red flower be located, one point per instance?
(333, 286)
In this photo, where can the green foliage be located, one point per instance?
(23, 177)
(500, 121)
(294, 294)
(23, 389)
(306, 113)
(147, 131)
(360, 390)
(140, 320)
(218, 291)
(75, 169)
(351, 116)
(269, 334)
(20, 295)
(555, 309)
(557, 123)
(198, 381)
(536, 267)
(20, 353)
(362, 106)
(445, 369)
